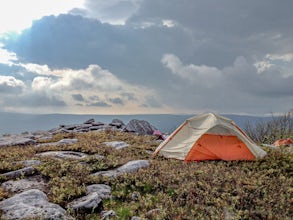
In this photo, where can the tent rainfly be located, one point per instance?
(209, 137)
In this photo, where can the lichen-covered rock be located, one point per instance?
(31, 204)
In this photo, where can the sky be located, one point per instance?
(146, 56)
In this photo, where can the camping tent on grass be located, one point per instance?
(209, 137)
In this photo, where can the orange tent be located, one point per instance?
(283, 142)
(209, 137)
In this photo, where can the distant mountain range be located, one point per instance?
(14, 123)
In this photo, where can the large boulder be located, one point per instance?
(31, 204)
(140, 127)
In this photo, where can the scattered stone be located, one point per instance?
(116, 144)
(129, 167)
(15, 140)
(27, 171)
(135, 218)
(103, 190)
(92, 202)
(31, 204)
(17, 186)
(66, 141)
(140, 127)
(64, 154)
(153, 213)
(107, 214)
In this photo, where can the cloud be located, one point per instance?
(177, 56)
(100, 104)
(111, 11)
(7, 57)
(233, 87)
(78, 97)
(62, 89)
(11, 85)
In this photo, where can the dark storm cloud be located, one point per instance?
(78, 97)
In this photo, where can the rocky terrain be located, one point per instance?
(95, 170)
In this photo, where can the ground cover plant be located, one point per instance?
(167, 189)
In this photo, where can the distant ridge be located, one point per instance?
(14, 123)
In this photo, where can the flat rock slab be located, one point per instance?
(16, 140)
(129, 167)
(66, 141)
(93, 200)
(116, 144)
(31, 204)
(17, 186)
(27, 171)
(64, 154)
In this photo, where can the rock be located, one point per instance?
(135, 218)
(31, 204)
(133, 166)
(92, 202)
(87, 204)
(16, 140)
(27, 171)
(140, 127)
(90, 121)
(117, 144)
(117, 123)
(107, 214)
(28, 163)
(66, 141)
(21, 185)
(64, 154)
(153, 213)
(129, 167)
(103, 190)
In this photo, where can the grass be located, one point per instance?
(168, 189)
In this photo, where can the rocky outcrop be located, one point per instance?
(140, 127)
(31, 204)
(129, 167)
(14, 140)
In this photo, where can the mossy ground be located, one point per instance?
(173, 189)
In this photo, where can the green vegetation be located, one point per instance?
(168, 189)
